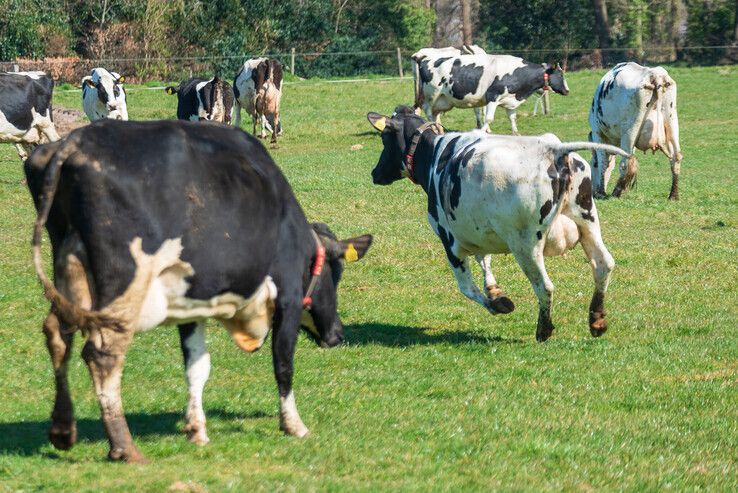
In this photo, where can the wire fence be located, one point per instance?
(355, 63)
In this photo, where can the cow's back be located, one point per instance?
(212, 186)
(19, 93)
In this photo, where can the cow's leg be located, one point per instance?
(428, 110)
(264, 125)
(583, 211)
(254, 119)
(50, 132)
(286, 324)
(675, 159)
(607, 171)
(22, 151)
(63, 429)
(530, 259)
(628, 165)
(104, 352)
(600, 163)
(500, 302)
(480, 116)
(512, 116)
(489, 116)
(236, 113)
(197, 371)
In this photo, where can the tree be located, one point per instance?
(603, 27)
(466, 21)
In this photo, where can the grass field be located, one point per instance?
(430, 392)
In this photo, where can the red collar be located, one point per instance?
(315, 272)
(545, 82)
(410, 155)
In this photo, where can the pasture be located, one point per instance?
(430, 392)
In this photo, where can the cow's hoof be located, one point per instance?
(501, 304)
(130, 455)
(196, 434)
(601, 196)
(617, 192)
(597, 324)
(674, 196)
(544, 331)
(63, 435)
(295, 429)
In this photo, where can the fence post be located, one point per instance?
(292, 61)
(399, 63)
(546, 103)
(15, 67)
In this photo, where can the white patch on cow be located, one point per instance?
(34, 74)
(201, 113)
(41, 125)
(116, 108)
(289, 418)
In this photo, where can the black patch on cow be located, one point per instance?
(236, 92)
(545, 210)
(579, 164)
(432, 201)
(539, 235)
(448, 151)
(448, 240)
(449, 176)
(20, 93)
(584, 198)
(560, 176)
(438, 62)
(522, 82)
(464, 79)
(185, 332)
(425, 74)
(443, 80)
(102, 94)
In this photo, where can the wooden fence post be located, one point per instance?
(546, 103)
(15, 67)
(292, 61)
(399, 63)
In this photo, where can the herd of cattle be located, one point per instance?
(168, 222)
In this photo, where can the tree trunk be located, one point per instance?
(603, 28)
(448, 24)
(735, 24)
(467, 22)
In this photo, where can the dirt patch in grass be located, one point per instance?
(67, 119)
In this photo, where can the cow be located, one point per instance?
(425, 58)
(258, 88)
(103, 95)
(201, 99)
(493, 194)
(471, 81)
(175, 222)
(25, 110)
(634, 107)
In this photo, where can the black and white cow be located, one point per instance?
(203, 99)
(103, 95)
(424, 59)
(634, 107)
(491, 194)
(173, 222)
(471, 81)
(258, 88)
(25, 110)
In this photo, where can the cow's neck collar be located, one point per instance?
(315, 271)
(410, 160)
(546, 87)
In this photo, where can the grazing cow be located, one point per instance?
(103, 95)
(634, 107)
(172, 222)
(258, 88)
(25, 110)
(470, 81)
(424, 59)
(203, 99)
(487, 194)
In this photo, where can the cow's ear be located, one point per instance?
(171, 90)
(378, 121)
(90, 82)
(355, 248)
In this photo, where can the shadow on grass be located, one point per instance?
(401, 336)
(27, 437)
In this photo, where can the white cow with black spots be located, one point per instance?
(488, 194)
(103, 95)
(481, 80)
(634, 107)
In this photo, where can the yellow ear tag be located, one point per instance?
(121, 79)
(380, 124)
(169, 90)
(351, 255)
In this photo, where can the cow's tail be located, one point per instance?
(418, 84)
(567, 147)
(75, 316)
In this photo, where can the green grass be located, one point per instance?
(430, 392)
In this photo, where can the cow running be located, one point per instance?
(172, 222)
(25, 110)
(634, 107)
(491, 194)
(471, 81)
(103, 95)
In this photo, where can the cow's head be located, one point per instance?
(321, 319)
(397, 131)
(109, 88)
(556, 79)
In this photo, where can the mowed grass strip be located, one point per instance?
(430, 392)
